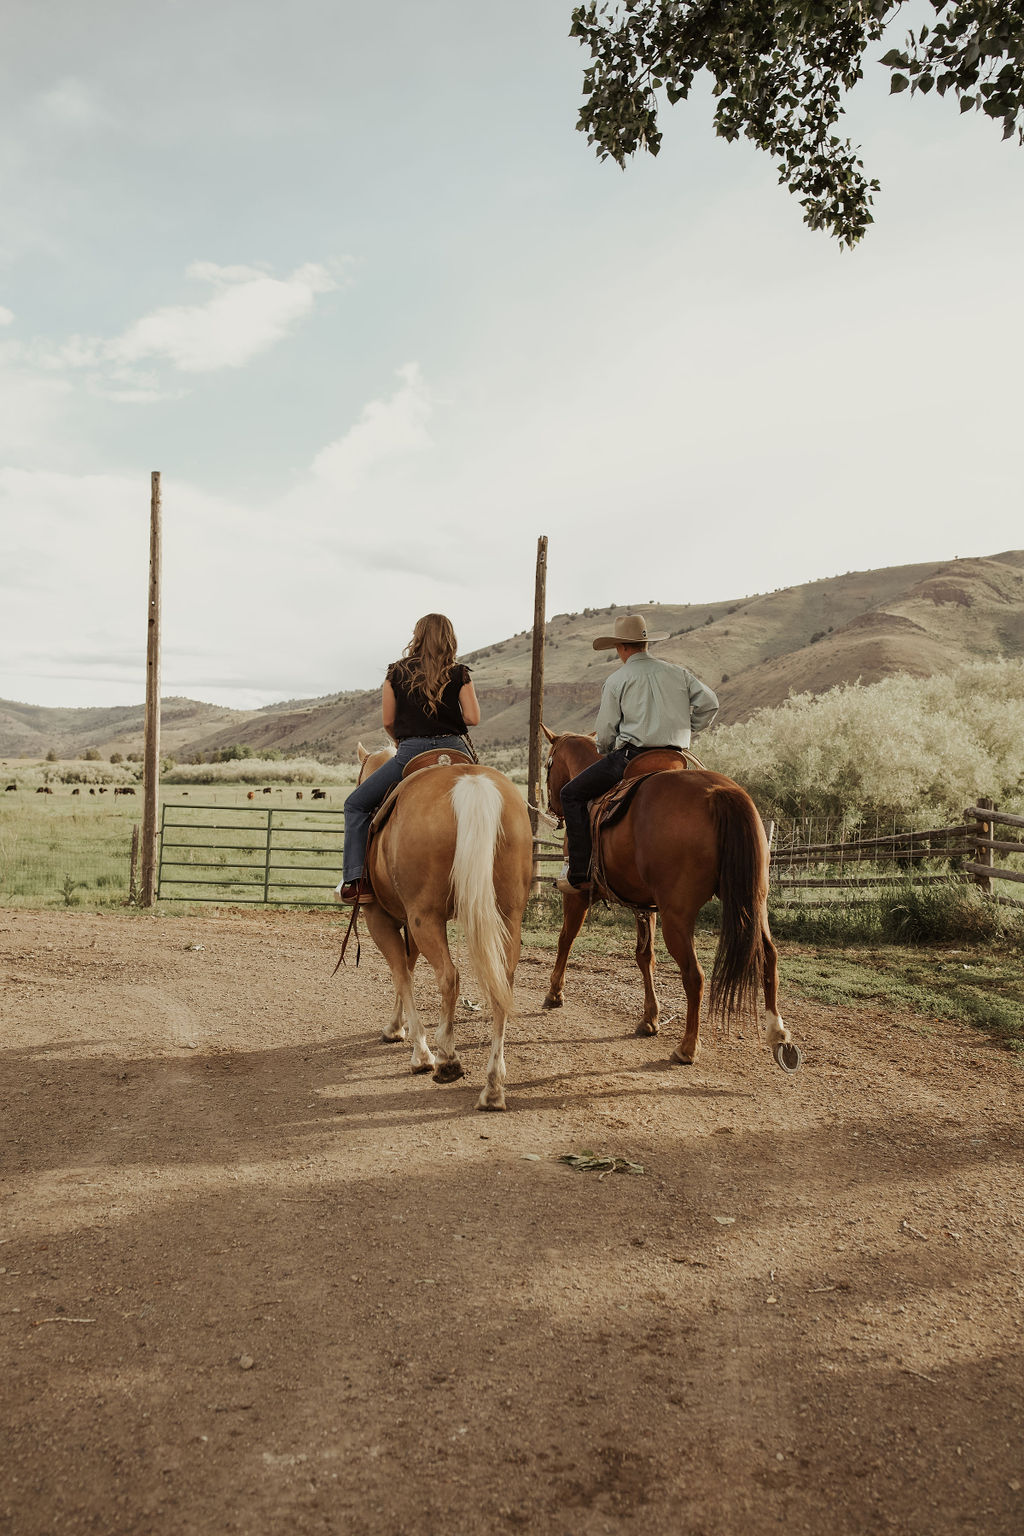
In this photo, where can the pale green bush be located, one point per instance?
(256, 770)
(908, 747)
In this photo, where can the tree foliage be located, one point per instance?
(780, 70)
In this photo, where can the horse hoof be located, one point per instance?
(449, 1072)
(419, 1067)
(789, 1056)
(386, 1039)
(482, 1104)
(552, 1002)
(681, 1061)
(645, 1028)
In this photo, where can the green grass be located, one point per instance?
(65, 850)
(965, 965)
(74, 850)
(977, 985)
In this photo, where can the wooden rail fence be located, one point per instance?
(969, 847)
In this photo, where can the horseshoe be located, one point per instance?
(789, 1056)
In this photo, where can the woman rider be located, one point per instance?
(427, 702)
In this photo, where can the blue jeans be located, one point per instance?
(576, 797)
(367, 796)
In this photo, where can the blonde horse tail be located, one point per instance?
(478, 807)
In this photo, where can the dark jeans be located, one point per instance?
(576, 797)
(367, 796)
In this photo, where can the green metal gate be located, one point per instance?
(259, 854)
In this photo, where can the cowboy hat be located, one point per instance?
(630, 629)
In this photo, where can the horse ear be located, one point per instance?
(362, 753)
(549, 734)
(592, 734)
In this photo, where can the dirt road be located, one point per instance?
(255, 1277)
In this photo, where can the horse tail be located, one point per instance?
(743, 889)
(478, 807)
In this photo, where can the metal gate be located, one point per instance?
(257, 854)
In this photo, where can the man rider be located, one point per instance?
(647, 703)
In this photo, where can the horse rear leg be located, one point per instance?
(574, 910)
(777, 1036)
(394, 1032)
(646, 924)
(678, 933)
(493, 1094)
(432, 941)
(388, 937)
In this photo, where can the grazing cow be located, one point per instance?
(44, 789)
(298, 794)
(9, 788)
(267, 790)
(76, 791)
(319, 794)
(251, 795)
(124, 789)
(102, 791)
(92, 791)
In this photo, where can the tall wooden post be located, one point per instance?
(151, 748)
(537, 688)
(984, 856)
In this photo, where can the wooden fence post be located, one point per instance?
(151, 746)
(985, 856)
(133, 868)
(537, 698)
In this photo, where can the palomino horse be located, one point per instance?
(457, 844)
(688, 835)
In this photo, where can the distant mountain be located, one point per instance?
(754, 651)
(28, 730)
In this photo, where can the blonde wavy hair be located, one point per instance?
(429, 657)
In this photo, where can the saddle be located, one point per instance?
(435, 757)
(612, 806)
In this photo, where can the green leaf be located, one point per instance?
(898, 83)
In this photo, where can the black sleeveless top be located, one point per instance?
(415, 717)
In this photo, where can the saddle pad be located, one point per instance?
(434, 758)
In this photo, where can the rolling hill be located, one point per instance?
(754, 651)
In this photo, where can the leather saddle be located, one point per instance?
(613, 805)
(434, 758)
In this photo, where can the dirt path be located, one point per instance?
(257, 1278)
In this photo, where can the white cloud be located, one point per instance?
(386, 430)
(6, 315)
(248, 312)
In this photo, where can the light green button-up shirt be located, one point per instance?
(653, 703)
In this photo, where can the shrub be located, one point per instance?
(908, 747)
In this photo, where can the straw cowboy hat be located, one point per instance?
(631, 629)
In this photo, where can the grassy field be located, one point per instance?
(63, 849)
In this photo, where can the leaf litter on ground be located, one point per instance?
(587, 1162)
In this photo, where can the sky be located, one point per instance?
(351, 280)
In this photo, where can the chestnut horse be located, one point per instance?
(457, 844)
(688, 835)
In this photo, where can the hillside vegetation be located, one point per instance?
(915, 748)
(756, 651)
